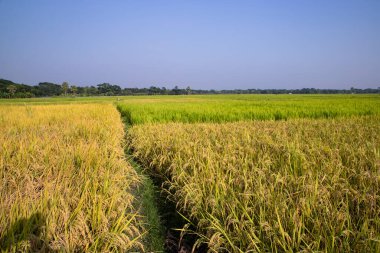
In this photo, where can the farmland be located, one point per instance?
(294, 173)
(64, 183)
(252, 173)
(231, 108)
(274, 185)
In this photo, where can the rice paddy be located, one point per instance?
(251, 173)
(64, 184)
(231, 108)
(277, 186)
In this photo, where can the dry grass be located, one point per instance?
(278, 186)
(64, 183)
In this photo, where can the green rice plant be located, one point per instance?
(232, 108)
(65, 185)
(302, 185)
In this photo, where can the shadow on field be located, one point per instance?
(25, 229)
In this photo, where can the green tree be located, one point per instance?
(176, 90)
(188, 90)
(74, 89)
(12, 89)
(65, 87)
(46, 89)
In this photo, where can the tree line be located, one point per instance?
(9, 89)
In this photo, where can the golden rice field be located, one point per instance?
(64, 183)
(302, 185)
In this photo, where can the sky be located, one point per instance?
(213, 44)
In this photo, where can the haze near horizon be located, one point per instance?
(204, 45)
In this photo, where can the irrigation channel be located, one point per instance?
(164, 223)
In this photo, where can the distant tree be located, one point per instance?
(154, 90)
(176, 90)
(85, 91)
(46, 89)
(104, 88)
(12, 89)
(65, 88)
(115, 89)
(109, 90)
(92, 90)
(74, 89)
(164, 91)
(4, 87)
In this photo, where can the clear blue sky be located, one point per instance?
(204, 44)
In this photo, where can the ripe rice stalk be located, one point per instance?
(295, 185)
(64, 182)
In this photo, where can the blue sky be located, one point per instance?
(202, 44)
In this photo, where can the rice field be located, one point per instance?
(251, 173)
(64, 183)
(231, 108)
(302, 185)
